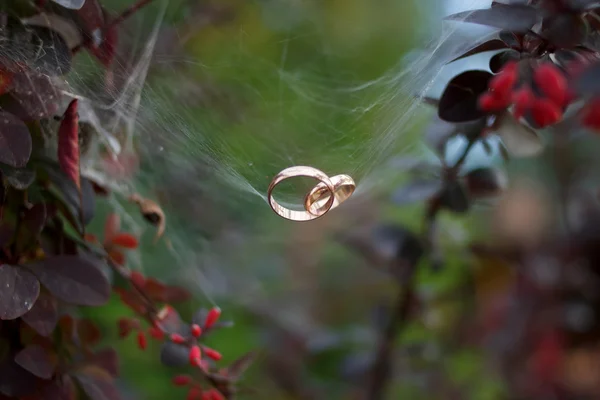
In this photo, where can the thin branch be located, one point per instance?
(382, 367)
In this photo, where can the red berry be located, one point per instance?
(591, 114)
(181, 380)
(196, 330)
(503, 82)
(489, 102)
(137, 279)
(195, 394)
(125, 240)
(177, 338)
(156, 333)
(212, 317)
(195, 355)
(522, 99)
(552, 83)
(213, 354)
(142, 341)
(545, 112)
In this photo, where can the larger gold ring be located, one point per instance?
(317, 199)
(309, 172)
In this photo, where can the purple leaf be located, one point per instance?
(484, 182)
(33, 97)
(43, 316)
(515, 18)
(52, 55)
(416, 191)
(19, 178)
(174, 355)
(62, 388)
(588, 82)
(459, 100)
(19, 290)
(15, 141)
(71, 4)
(454, 198)
(37, 360)
(73, 279)
(486, 44)
(239, 366)
(497, 61)
(564, 30)
(14, 380)
(97, 383)
(107, 359)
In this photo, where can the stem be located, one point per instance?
(382, 368)
(129, 11)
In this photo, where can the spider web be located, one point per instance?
(211, 135)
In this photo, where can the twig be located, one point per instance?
(381, 371)
(382, 366)
(129, 11)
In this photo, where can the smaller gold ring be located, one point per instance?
(308, 172)
(319, 197)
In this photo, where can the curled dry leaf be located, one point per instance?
(68, 143)
(152, 213)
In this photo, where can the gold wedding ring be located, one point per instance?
(323, 197)
(316, 200)
(294, 172)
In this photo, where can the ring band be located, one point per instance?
(316, 201)
(327, 188)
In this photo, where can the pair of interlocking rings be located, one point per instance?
(323, 197)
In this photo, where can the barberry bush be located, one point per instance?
(51, 266)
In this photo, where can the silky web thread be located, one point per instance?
(133, 112)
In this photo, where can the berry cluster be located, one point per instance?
(544, 99)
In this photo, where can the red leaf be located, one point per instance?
(37, 360)
(97, 383)
(67, 328)
(68, 143)
(91, 20)
(117, 256)
(88, 332)
(591, 114)
(19, 290)
(142, 340)
(125, 240)
(43, 316)
(155, 289)
(107, 359)
(107, 49)
(131, 300)
(73, 279)
(126, 325)
(111, 227)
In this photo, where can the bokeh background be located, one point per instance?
(235, 92)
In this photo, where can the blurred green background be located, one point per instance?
(236, 91)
